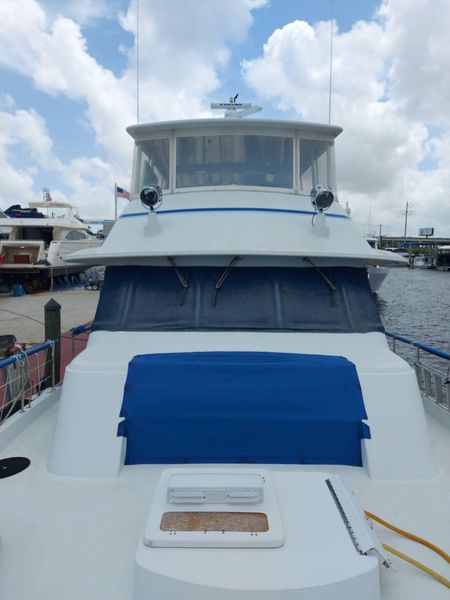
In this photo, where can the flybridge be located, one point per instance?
(233, 152)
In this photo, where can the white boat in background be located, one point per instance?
(237, 405)
(40, 237)
(4, 231)
(424, 261)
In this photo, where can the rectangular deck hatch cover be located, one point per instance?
(214, 522)
(242, 407)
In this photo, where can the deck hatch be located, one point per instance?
(214, 521)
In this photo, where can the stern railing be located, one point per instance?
(433, 379)
(24, 376)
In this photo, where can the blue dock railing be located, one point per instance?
(24, 376)
(434, 381)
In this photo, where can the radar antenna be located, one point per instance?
(234, 109)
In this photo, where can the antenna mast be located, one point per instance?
(331, 61)
(137, 61)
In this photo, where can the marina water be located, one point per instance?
(416, 304)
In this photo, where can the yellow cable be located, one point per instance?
(417, 564)
(411, 536)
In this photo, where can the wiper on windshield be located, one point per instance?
(183, 280)
(330, 283)
(224, 275)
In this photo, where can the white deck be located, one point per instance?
(76, 539)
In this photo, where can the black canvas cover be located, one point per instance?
(147, 298)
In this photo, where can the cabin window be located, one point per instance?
(250, 160)
(152, 164)
(314, 164)
(35, 234)
(75, 235)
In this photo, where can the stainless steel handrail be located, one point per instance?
(433, 383)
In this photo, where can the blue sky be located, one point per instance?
(67, 91)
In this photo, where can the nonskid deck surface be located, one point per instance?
(76, 539)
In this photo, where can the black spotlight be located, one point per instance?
(151, 196)
(321, 197)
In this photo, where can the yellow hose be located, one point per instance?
(417, 564)
(411, 536)
(415, 538)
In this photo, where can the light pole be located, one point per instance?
(406, 221)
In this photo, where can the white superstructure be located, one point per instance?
(238, 296)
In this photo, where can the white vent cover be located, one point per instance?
(207, 508)
(215, 488)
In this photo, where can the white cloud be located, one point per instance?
(182, 51)
(87, 181)
(418, 34)
(25, 130)
(390, 82)
(84, 12)
(391, 78)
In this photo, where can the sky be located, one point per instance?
(68, 91)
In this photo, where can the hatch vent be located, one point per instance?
(205, 508)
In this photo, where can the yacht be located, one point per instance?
(40, 237)
(4, 231)
(237, 422)
(424, 261)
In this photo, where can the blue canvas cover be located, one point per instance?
(148, 298)
(242, 407)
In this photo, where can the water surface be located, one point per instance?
(416, 303)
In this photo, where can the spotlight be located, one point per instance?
(151, 196)
(321, 197)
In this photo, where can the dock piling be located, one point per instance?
(53, 332)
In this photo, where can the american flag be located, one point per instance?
(121, 193)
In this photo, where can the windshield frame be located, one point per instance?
(295, 135)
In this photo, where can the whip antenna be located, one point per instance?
(331, 62)
(137, 61)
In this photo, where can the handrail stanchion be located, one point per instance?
(433, 384)
(53, 363)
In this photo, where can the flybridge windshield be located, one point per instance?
(152, 164)
(315, 167)
(231, 298)
(269, 161)
(252, 160)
